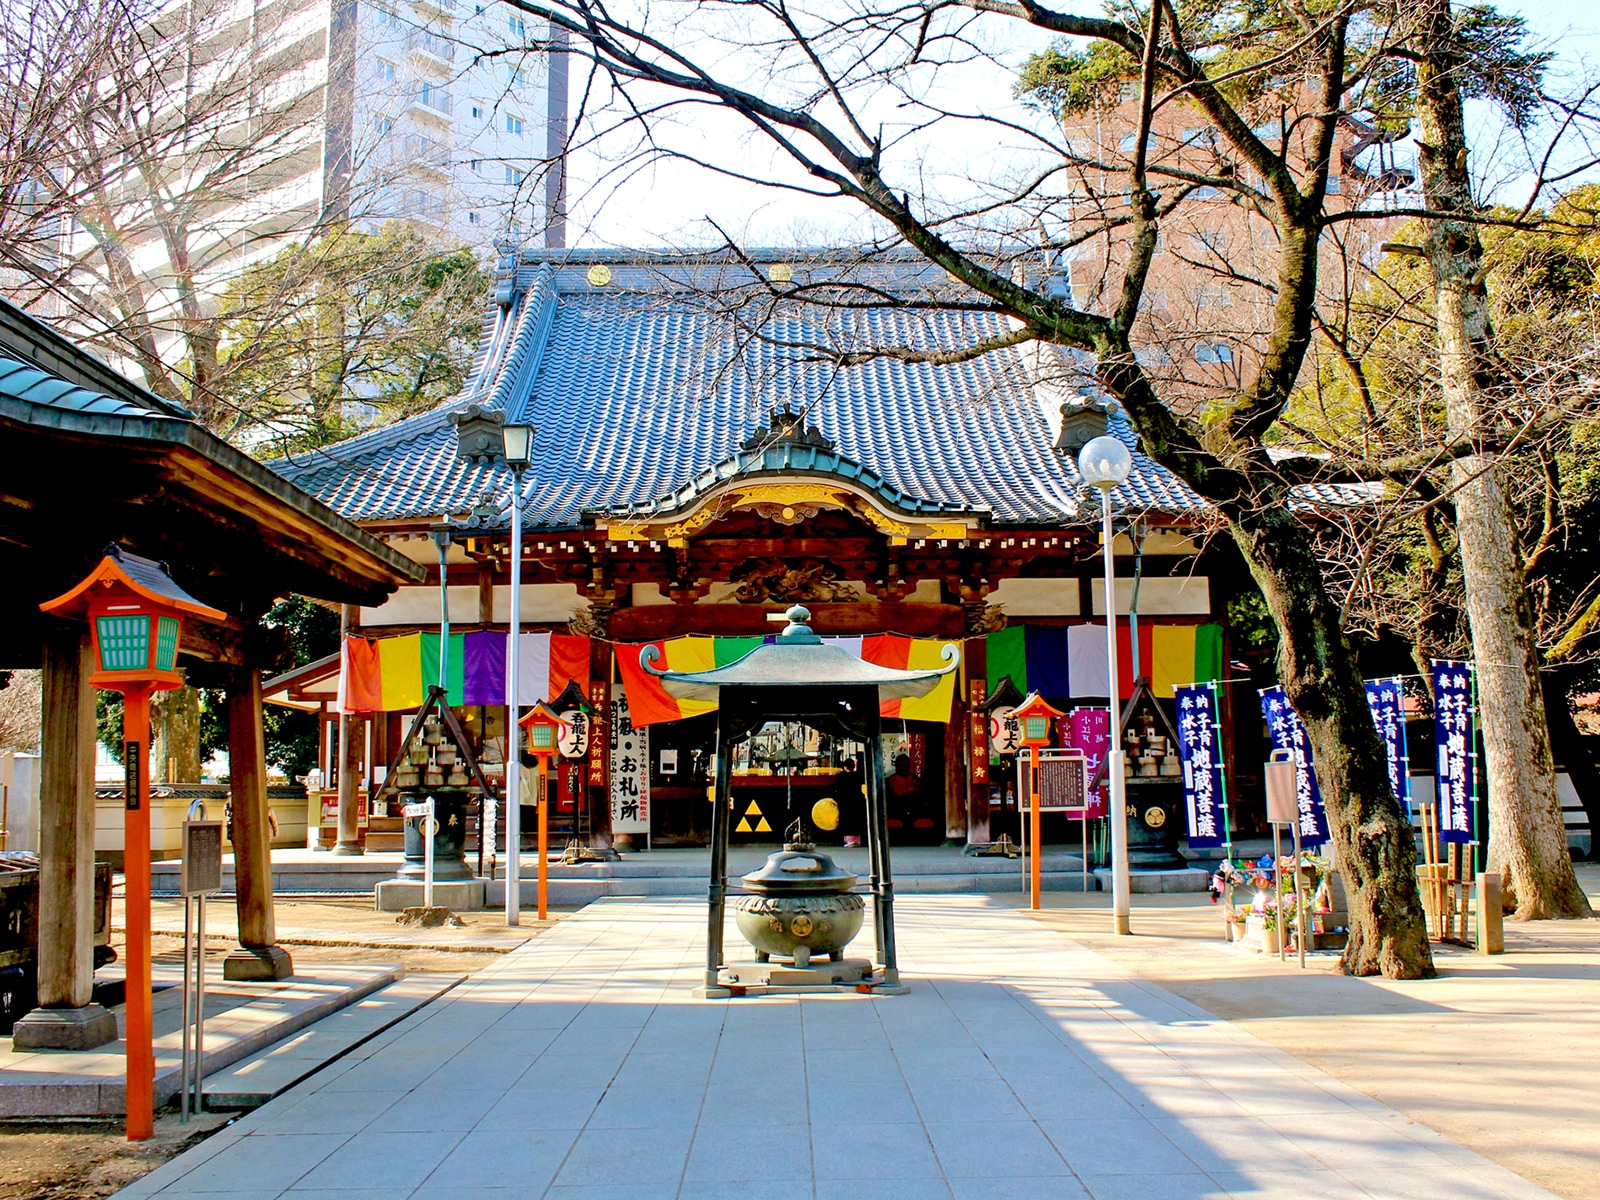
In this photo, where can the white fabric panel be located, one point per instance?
(851, 645)
(1087, 661)
(533, 668)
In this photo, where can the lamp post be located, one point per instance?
(518, 444)
(544, 727)
(135, 613)
(1104, 462)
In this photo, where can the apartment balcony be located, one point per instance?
(444, 8)
(431, 49)
(419, 152)
(433, 101)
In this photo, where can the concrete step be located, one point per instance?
(325, 873)
(565, 893)
(253, 1081)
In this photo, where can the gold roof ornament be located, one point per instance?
(599, 275)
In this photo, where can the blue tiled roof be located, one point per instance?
(22, 381)
(639, 388)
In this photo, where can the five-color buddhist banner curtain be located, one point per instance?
(393, 674)
(1068, 662)
(1064, 661)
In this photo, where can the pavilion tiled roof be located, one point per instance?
(642, 391)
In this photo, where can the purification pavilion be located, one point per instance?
(699, 463)
(91, 459)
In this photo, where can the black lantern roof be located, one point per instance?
(799, 658)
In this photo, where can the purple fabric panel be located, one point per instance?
(485, 675)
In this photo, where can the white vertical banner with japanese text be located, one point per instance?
(630, 772)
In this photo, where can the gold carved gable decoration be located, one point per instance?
(776, 580)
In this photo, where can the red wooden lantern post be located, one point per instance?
(135, 613)
(544, 736)
(1035, 720)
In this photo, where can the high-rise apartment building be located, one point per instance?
(449, 113)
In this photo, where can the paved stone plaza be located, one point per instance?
(1020, 1065)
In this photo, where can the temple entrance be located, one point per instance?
(787, 770)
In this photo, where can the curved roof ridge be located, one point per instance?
(34, 385)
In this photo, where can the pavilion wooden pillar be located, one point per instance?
(66, 1018)
(976, 662)
(258, 955)
(352, 732)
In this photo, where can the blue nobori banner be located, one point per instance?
(1200, 751)
(1386, 699)
(1288, 732)
(1455, 750)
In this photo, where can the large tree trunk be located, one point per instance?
(1374, 841)
(175, 721)
(1527, 840)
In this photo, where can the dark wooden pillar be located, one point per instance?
(352, 732)
(258, 956)
(976, 735)
(955, 768)
(66, 1019)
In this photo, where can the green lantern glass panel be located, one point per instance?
(1038, 728)
(541, 737)
(124, 643)
(166, 643)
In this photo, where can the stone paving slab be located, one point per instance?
(253, 1081)
(241, 1018)
(1021, 1064)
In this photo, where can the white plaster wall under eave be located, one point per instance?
(542, 603)
(420, 606)
(1175, 596)
(1036, 597)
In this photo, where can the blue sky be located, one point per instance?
(669, 204)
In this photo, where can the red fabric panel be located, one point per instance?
(648, 701)
(569, 662)
(887, 650)
(364, 684)
(1125, 655)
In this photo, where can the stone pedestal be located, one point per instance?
(64, 1029)
(257, 962)
(462, 895)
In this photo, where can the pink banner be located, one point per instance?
(1089, 730)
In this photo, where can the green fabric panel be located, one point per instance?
(732, 649)
(1006, 653)
(455, 686)
(1207, 653)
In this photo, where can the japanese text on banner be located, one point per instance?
(1455, 753)
(1386, 700)
(1200, 751)
(1089, 730)
(630, 772)
(1288, 732)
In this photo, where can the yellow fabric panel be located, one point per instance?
(400, 672)
(692, 654)
(1172, 658)
(935, 706)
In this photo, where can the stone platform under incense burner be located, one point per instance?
(799, 917)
